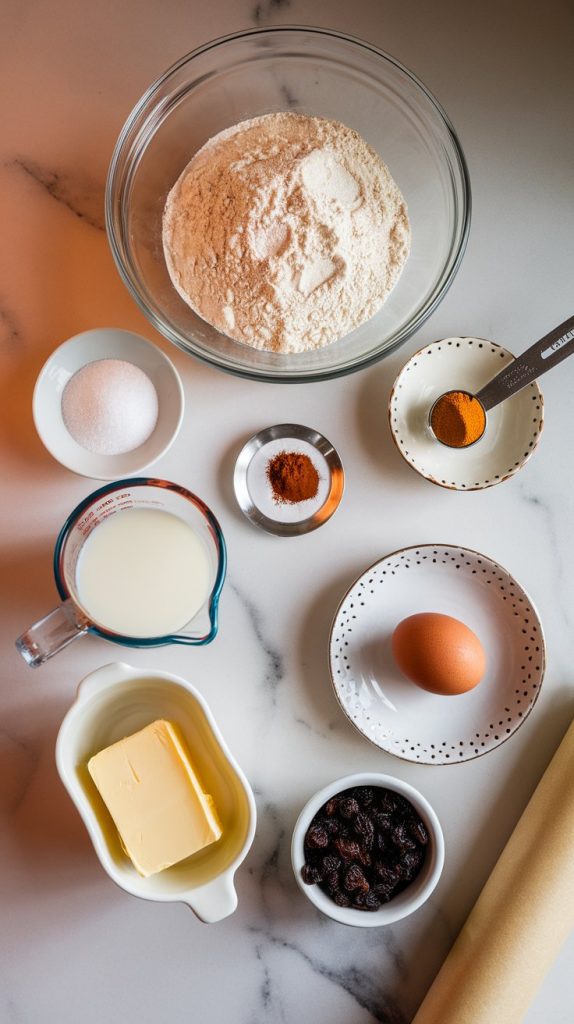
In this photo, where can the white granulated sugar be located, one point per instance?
(110, 407)
(285, 232)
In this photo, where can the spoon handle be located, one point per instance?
(540, 357)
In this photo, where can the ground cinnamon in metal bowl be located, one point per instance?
(293, 477)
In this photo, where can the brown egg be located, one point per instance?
(438, 653)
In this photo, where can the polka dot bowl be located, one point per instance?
(395, 714)
(513, 428)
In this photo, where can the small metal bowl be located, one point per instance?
(253, 491)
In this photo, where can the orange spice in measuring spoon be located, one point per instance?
(458, 419)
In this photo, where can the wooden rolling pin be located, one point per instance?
(522, 916)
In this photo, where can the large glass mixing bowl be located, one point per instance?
(311, 71)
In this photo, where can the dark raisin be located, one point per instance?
(388, 801)
(383, 843)
(311, 875)
(402, 839)
(418, 831)
(403, 872)
(341, 899)
(348, 807)
(332, 806)
(383, 893)
(364, 828)
(364, 856)
(383, 820)
(316, 836)
(331, 826)
(371, 901)
(386, 876)
(332, 881)
(409, 865)
(348, 848)
(403, 807)
(331, 862)
(364, 795)
(355, 879)
(314, 856)
(418, 854)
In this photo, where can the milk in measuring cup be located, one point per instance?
(143, 572)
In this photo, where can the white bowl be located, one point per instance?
(513, 428)
(72, 355)
(116, 701)
(407, 901)
(400, 717)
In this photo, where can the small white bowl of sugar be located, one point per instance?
(107, 403)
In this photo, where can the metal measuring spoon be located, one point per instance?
(540, 357)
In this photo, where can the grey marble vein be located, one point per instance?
(270, 867)
(266, 8)
(83, 197)
(18, 764)
(267, 871)
(360, 984)
(9, 330)
(275, 667)
(546, 513)
(320, 733)
(270, 1000)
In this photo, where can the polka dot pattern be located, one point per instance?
(423, 731)
(513, 428)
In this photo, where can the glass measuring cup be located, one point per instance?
(70, 620)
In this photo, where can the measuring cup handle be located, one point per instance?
(51, 634)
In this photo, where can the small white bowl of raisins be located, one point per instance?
(367, 850)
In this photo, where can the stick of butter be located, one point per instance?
(157, 803)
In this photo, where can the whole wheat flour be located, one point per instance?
(285, 232)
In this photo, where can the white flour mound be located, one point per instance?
(285, 232)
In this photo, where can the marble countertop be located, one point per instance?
(73, 946)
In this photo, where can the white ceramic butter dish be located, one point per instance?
(118, 700)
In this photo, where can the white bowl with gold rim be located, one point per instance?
(118, 700)
(513, 428)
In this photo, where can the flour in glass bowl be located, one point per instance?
(285, 232)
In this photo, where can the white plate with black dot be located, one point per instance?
(395, 714)
(513, 428)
